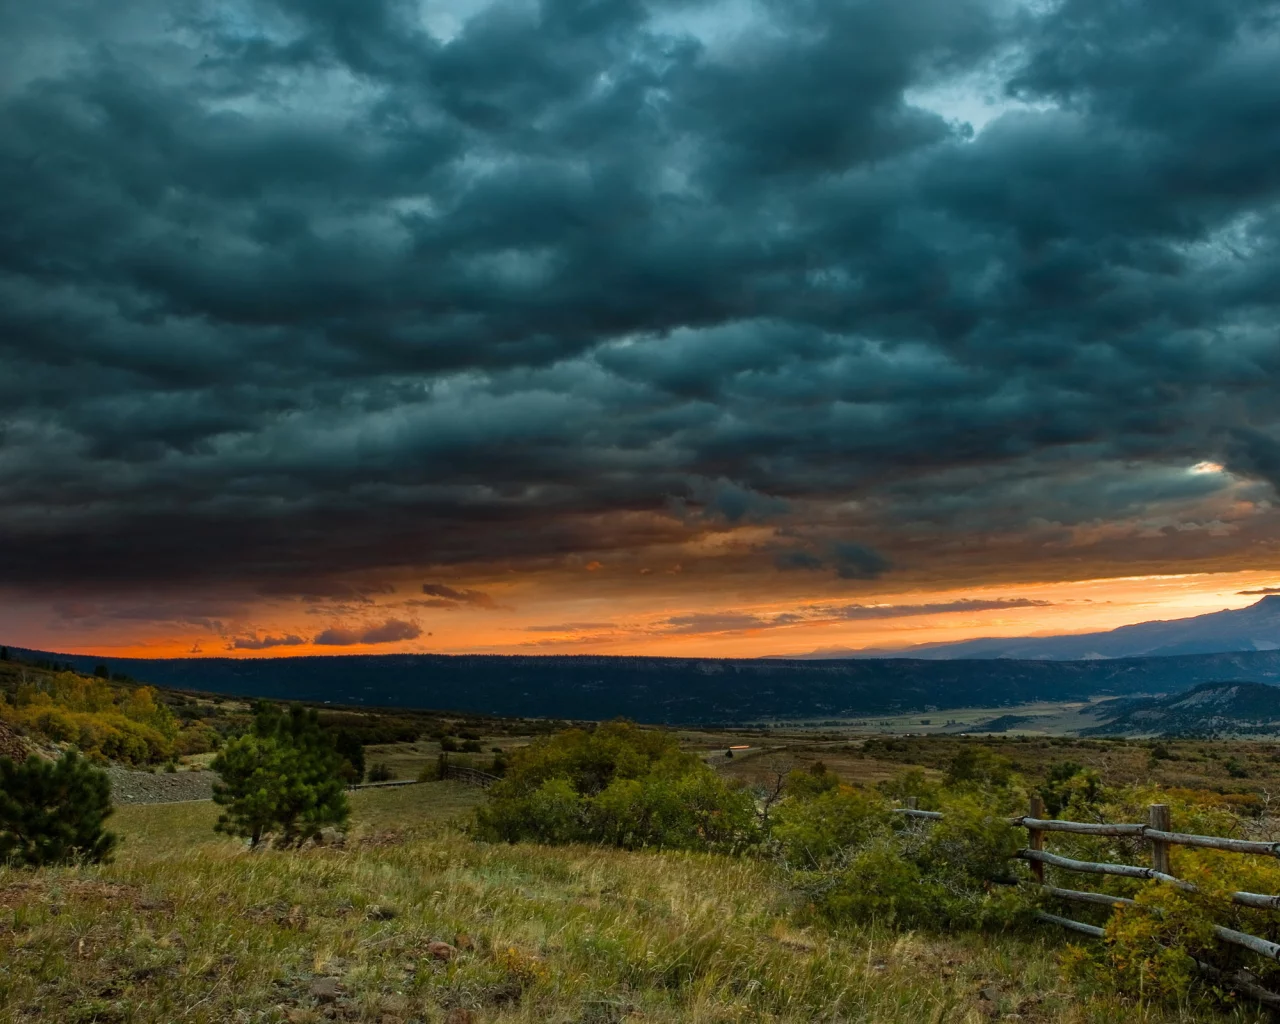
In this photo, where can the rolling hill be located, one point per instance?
(1236, 708)
(682, 690)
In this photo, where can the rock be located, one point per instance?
(989, 994)
(380, 913)
(463, 941)
(331, 836)
(326, 990)
(459, 1016)
(441, 950)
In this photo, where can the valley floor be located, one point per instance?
(189, 926)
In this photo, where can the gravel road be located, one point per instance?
(130, 787)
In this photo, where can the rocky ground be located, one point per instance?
(134, 787)
(12, 745)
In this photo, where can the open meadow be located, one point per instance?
(190, 926)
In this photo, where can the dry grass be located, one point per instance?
(187, 926)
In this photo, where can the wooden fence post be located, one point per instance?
(1158, 819)
(1035, 837)
(912, 801)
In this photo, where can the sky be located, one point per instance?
(743, 327)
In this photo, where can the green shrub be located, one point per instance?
(817, 779)
(618, 785)
(857, 861)
(381, 772)
(53, 812)
(811, 832)
(977, 767)
(912, 783)
(1070, 787)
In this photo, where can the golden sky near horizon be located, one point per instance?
(614, 624)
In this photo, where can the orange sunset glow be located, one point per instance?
(624, 625)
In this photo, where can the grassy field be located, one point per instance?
(189, 926)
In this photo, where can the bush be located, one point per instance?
(812, 782)
(978, 767)
(811, 832)
(381, 772)
(921, 874)
(53, 812)
(618, 785)
(1069, 785)
(283, 775)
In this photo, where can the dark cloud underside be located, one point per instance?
(294, 290)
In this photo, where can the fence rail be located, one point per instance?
(383, 785)
(461, 773)
(1156, 831)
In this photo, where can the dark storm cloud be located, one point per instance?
(391, 631)
(449, 597)
(894, 611)
(725, 622)
(262, 643)
(731, 622)
(850, 561)
(290, 291)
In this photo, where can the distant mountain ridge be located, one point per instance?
(1237, 707)
(1255, 628)
(681, 690)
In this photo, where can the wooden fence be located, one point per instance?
(1156, 831)
(461, 773)
(383, 785)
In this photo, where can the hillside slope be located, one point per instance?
(1235, 707)
(188, 926)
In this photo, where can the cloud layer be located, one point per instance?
(292, 294)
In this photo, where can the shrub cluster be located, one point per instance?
(102, 719)
(857, 861)
(617, 785)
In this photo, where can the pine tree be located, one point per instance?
(53, 812)
(284, 775)
(347, 743)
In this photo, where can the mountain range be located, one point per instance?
(1254, 628)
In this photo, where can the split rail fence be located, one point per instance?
(463, 773)
(1156, 830)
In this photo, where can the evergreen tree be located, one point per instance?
(351, 750)
(284, 775)
(52, 812)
